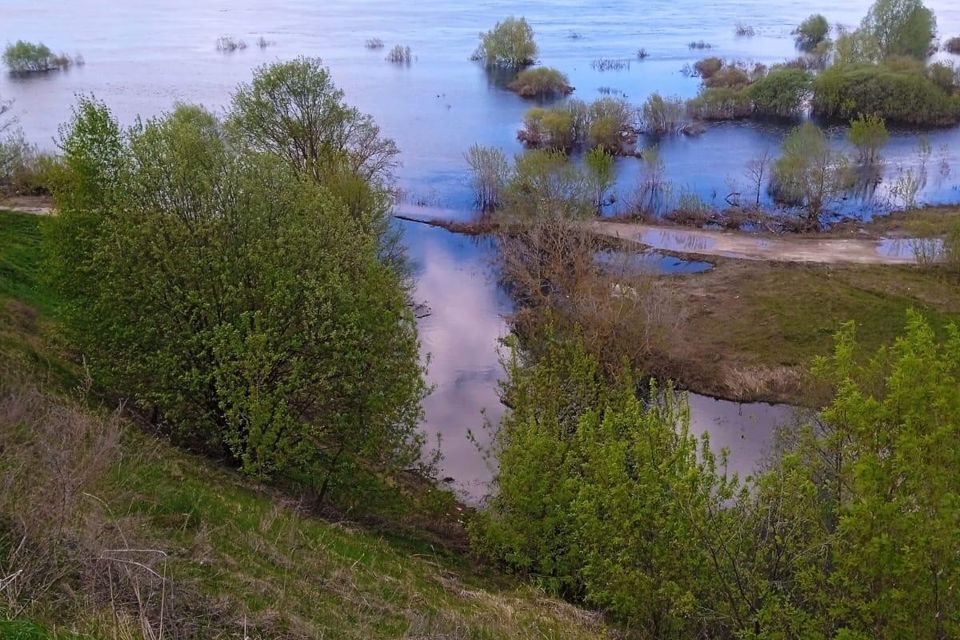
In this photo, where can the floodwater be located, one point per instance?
(143, 57)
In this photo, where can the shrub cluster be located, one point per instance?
(952, 46)
(541, 82)
(609, 123)
(730, 92)
(899, 97)
(605, 494)
(400, 55)
(29, 57)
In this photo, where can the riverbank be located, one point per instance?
(148, 533)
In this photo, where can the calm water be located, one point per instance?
(143, 57)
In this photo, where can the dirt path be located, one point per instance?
(743, 246)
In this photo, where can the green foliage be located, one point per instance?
(857, 48)
(541, 82)
(782, 93)
(662, 115)
(606, 123)
(27, 57)
(232, 291)
(842, 92)
(601, 174)
(952, 46)
(811, 32)
(808, 173)
(868, 134)
(901, 27)
(945, 75)
(730, 76)
(546, 184)
(850, 532)
(720, 104)
(708, 67)
(509, 44)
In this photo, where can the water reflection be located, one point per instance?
(460, 334)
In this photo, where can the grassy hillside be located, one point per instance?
(111, 532)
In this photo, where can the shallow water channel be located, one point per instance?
(143, 57)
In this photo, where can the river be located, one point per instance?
(143, 57)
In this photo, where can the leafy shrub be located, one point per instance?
(662, 115)
(808, 173)
(944, 75)
(782, 93)
(541, 82)
(400, 55)
(509, 44)
(868, 134)
(606, 123)
(611, 122)
(544, 183)
(843, 92)
(28, 57)
(730, 76)
(720, 104)
(952, 46)
(901, 27)
(812, 32)
(708, 67)
(857, 48)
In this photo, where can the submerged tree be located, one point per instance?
(490, 171)
(509, 44)
(868, 134)
(809, 173)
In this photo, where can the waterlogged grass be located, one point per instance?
(753, 328)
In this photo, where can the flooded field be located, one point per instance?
(144, 57)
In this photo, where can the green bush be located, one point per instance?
(544, 183)
(945, 76)
(662, 115)
(730, 76)
(808, 173)
(708, 67)
(231, 288)
(606, 123)
(720, 104)
(782, 93)
(868, 134)
(27, 57)
(509, 44)
(812, 32)
(603, 494)
(843, 92)
(952, 46)
(542, 82)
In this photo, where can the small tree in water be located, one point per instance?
(600, 175)
(490, 171)
(901, 27)
(868, 134)
(809, 173)
(509, 44)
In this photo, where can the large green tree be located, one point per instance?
(901, 27)
(243, 303)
